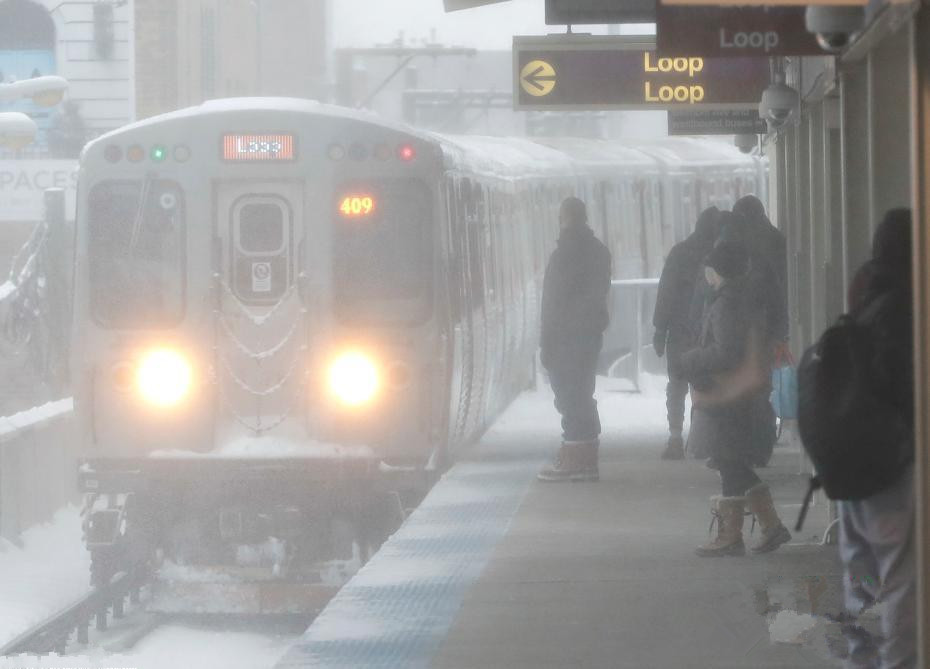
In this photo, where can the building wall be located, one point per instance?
(188, 51)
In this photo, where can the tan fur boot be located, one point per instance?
(575, 461)
(774, 533)
(729, 540)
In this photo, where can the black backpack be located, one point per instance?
(859, 441)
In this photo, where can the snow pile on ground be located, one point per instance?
(173, 647)
(35, 416)
(790, 626)
(50, 571)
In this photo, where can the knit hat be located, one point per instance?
(728, 259)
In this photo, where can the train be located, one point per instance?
(289, 316)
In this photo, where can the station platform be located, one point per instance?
(495, 570)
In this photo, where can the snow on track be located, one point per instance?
(47, 573)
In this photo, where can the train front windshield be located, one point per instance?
(381, 245)
(136, 253)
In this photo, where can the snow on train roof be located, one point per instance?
(505, 156)
(264, 104)
(693, 151)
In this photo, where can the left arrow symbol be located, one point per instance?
(537, 78)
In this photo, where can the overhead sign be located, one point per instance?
(23, 182)
(578, 72)
(733, 31)
(581, 12)
(761, 3)
(715, 122)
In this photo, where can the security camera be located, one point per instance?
(779, 102)
(746, 143)
(834, 25)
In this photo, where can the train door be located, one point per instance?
(259, 325)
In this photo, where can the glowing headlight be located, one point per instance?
(353, 378)
(164, 377)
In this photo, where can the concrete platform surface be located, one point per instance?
(498, 571)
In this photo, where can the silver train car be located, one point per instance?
(281, 306)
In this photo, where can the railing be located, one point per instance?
(630, 365)
(38, 466)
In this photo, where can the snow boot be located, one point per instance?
(728, 514)
(774, 533)
(575, 461)
(674, 449)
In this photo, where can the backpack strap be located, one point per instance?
(813, 486)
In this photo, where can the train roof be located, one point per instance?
(504, 157)
(675, 151)
(266, 104)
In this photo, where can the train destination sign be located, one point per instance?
(733, 31)
(715, 122)
(577, 72)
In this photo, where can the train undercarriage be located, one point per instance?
(241, 536)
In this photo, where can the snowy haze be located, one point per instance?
(358, 23)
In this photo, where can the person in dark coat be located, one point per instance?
(677, 326)
(574, 317)
(768, 254)
(877, 540)
(729, 352)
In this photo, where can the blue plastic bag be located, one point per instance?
(785, 392)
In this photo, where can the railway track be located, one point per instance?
(95, 609)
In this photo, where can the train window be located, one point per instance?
(261, 228)
(388, 256)
(136, 253)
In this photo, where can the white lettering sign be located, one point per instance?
(22, 183)
(763, 41)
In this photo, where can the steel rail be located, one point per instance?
(52, 635)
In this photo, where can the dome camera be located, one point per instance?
(834, 25)
(779, 102)
(746, 143)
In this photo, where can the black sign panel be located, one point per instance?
(584, 72)
(733, 31)
(715, 122)
(579, 12)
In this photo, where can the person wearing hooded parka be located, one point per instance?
(677, 325)
(728, 372)
(877, 536)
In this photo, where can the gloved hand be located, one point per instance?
(658, 342)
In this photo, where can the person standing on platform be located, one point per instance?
(728, 373)
(676, 328)
(574, 317)
(877, 535)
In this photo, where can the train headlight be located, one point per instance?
(164, 377)
(353, 378)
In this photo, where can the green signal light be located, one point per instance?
(159, 153)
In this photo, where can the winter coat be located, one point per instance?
(736, 431)
(768, 274)
(681, 274)
(575, 290)
(887, 276)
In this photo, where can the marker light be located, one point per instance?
(182, 153)
(158, 153)
(164, 377)
(406, 152)
(382, 151)
(135, 153)
(353, 378)
(336, 152)
(113, 153)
